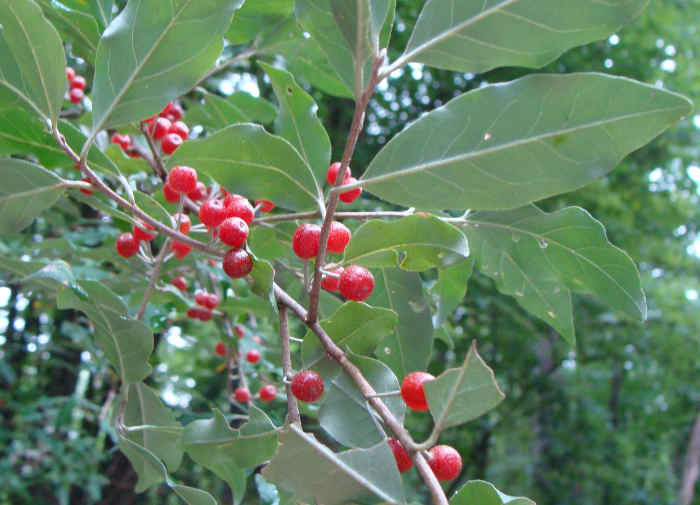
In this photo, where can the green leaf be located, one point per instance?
(32, 63)
(540, 258)
(354, 326)
(241, 107)
(103, 11)
(478, 36)
(410, 346)
(78, 28)
(506, 145)
(255, 18)
(345, 414)
(268, 243)
(484, 493)
(192, 495)
(298, 123)
(57, 271)
(244, 305)
(414, 243)
(96, 158)
(26, 191)
(22, 132)
(450, 289)
(126, 343)
(333, 478)
(150, 72)
(153, 208)
(245, 159)
(461, 394)
(216, 446)
(263, 276)
(144, 407)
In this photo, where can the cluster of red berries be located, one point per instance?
(207, 302)
(266, 393)
(332, 176)
(76, 85)
(307, 386)
(167, 128)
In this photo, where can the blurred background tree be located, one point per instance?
(605, 423)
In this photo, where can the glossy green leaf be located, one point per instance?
(192, 495)
(354, 326)
(153, 208)
(484, 493)
(150, 73)
(103, 11)
(506, 145)
(461, 394)
(478, 36)
(126, 343)
(540, 258)
(263, 275)
(22, 132)
(144, 407)
(77, 27)
(241, 107)
(298, 123)
(346, 415)
(26, 191)
(256, 17)
(32, 63)
(333, 478)
(57, 271)
(245, 159)
(243, 305)
(268, 243)
(410, 346)
(414, 243)
(450, 289)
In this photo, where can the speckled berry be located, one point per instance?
(233, 231)
(237, 263)
(356, 283)
(307, 386)
(252, 356)
(268, 393)
(403, 459)
(212, 213)
(241, 395)
(306, 240)
(412, 390)
(182, 179)
(338, 237)
(445, 462)
(127, 245)
(331, 283)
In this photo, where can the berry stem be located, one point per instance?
(293, 416)
(155, 273)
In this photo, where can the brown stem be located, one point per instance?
(154, 277)
(293, 416)
(157, 165)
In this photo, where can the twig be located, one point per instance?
(157, 165)
(340, 215)
(155, 273)
(293, 416)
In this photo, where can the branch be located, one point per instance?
(157, 161)
(341, 215)
(154, 277)
(691, 467)
(293, 416)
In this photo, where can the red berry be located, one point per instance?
(212, 213)
(181, 250)
(240, 207)
(268, 393)
(133, 153)
(170, 194)
(239, 331)
(445, 462)
(193, 313)
(220, 349)
(252, 356)
(241, 395)
(159, 128)
(182, 179)
(233, 231)
(77, 82)
(237, 263)
(332, 173)
(212, 301)
(140, 233)
(306, 240)
(257, 339)
(127, 245)
(331, 283)
(172, 110)
(204, 315)
(356, 283)
(76, 95)
(200, 192)
(185, 223)
(122, 140)
(307, 386)
(201, 298)
(338, 237)
(350, 196)
(412, 390)
(169, 143)
(70, 74)
(229, 198)
(403, 460)
(83, 190)
(265, 205)
(180, 283)
(179, 128)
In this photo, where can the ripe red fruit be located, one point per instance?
(179, 128)
(201, 298)
(170, 194)
(412, 390)
(237, 263)
(199, 193)
(403, 460)
(212, 301)
(212, 213)
(268, 393)
(350, 196)
(70, 74)
(185, 223)
(252, 356)
(265, 205)
(445, 462)
(172, 111)
(76, 95)
(338, 237)
(233, 231)
(331, 283)
(124, 141)
(159, 128)
(307, 386)
(356, 283)
(220, 349)
(229, 198)
(169, 143)
(239, 331)
(239, 207)
(77, 82)
(180, 283)
(241, 395)
(140, 232)
(306, 240)
(332, 173)
(193, 313)
(204, 315)
(182, 179)
(127, 245)
(83, 190)
(181, 250)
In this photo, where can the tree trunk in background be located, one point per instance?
(691, 467)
